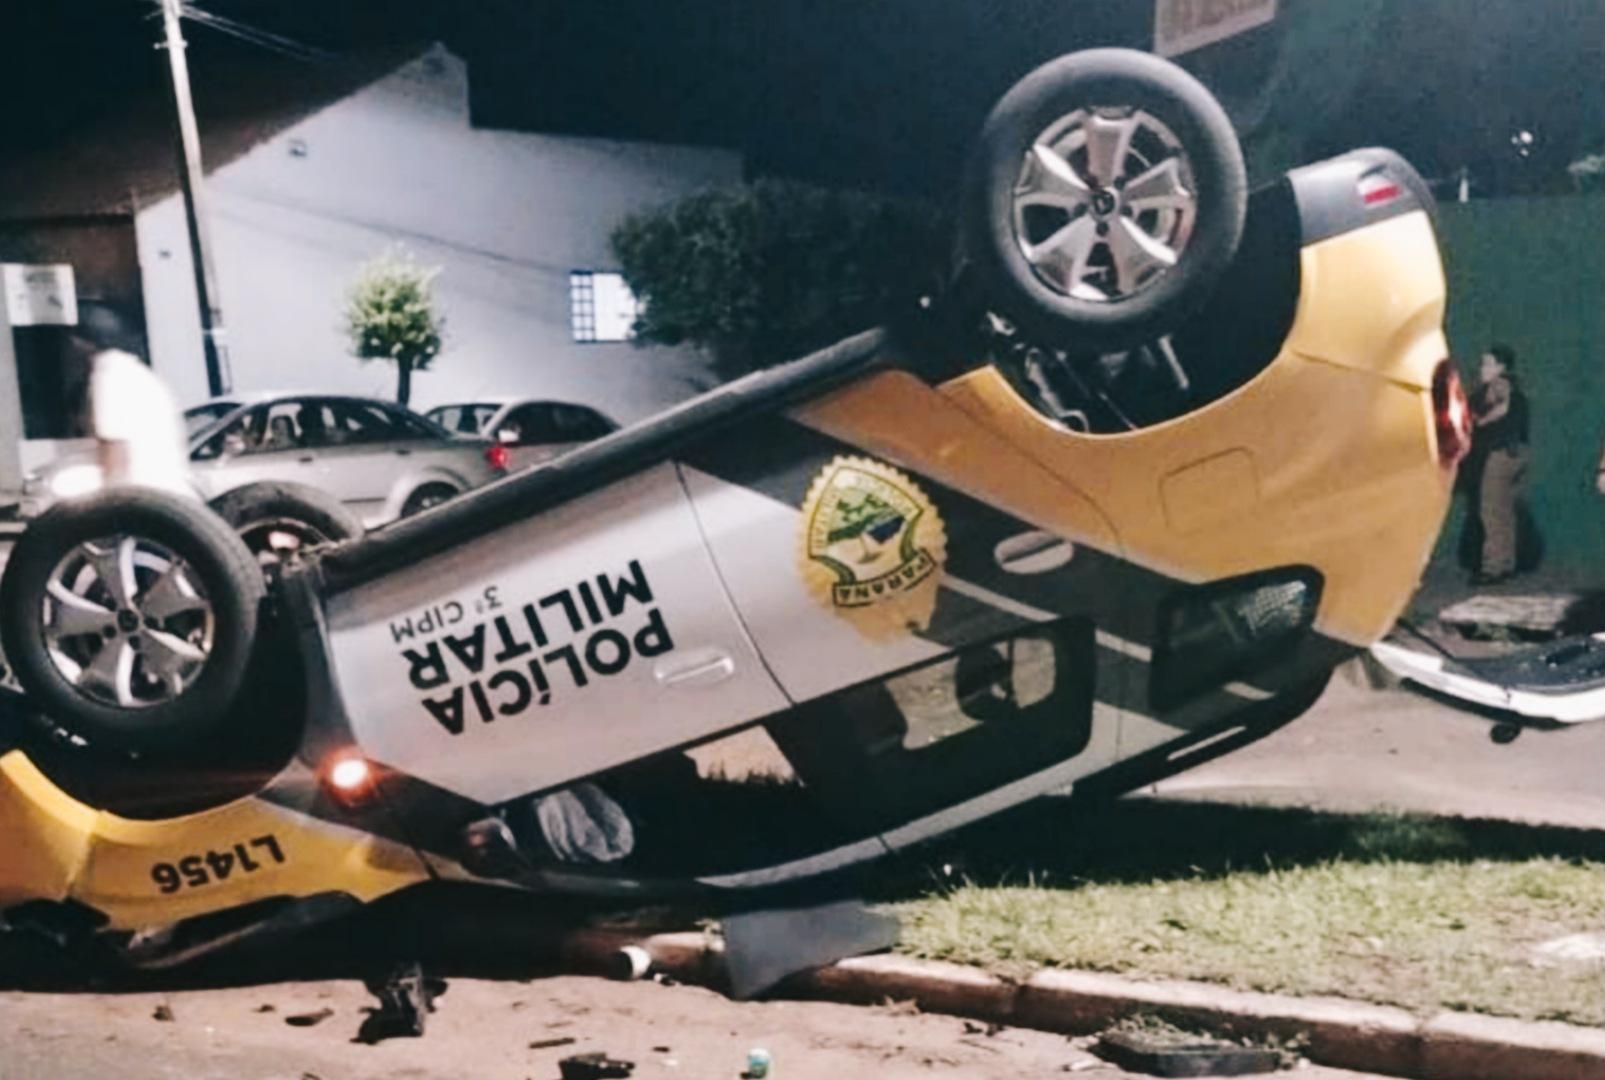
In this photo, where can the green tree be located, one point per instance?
(763, 272)
(391, 314)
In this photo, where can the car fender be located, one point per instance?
(413, 479)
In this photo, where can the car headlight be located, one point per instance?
(75, 480)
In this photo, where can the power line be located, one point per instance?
(256, 35)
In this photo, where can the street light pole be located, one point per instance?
(193, 181)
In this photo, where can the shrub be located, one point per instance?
(767, 271)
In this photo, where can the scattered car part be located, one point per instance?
(1560, 681)
(130, 617)
(406, 998)
(1106, 196)
(764, 947)
(1166, 1056)
(595, 1066)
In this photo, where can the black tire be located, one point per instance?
(1103, 78)
(270, 514)
(215, 559)
(427, 496)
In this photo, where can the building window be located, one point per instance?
(601, 306)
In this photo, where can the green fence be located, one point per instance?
(1531, 273)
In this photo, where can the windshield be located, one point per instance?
(200, 417)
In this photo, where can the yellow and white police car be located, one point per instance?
(1164, 455)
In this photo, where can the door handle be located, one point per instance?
(402, 451)
(306, 459)
(697, 668)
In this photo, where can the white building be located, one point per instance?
(508, 217)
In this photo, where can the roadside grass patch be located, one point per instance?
(1419, 912)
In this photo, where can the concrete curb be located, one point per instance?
(1342, 1034)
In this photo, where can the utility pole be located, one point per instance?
(193, 181)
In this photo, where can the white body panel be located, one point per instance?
(810, 648)
(642, 649)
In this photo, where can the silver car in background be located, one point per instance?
(381, 460)
(532, 431)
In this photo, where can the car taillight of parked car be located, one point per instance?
(497, 457)
(1452, 414)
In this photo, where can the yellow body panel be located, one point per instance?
(56, 848)
(899, 417)
(44, 840)
(1328, 456)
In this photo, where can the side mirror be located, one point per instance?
(233, 445)
(507, 436)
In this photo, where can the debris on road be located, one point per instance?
(759, 1061)
(597, 1066)
(1162, 1055)
(552, 1044)
(163, 1013)
(406, 998)
(764, 947)
(310, 1019)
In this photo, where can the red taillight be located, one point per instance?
(1452, 414)
(1379, 188)
(496, 457)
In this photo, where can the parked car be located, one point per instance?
(381, 460)
(532, 431)
(1117, 501)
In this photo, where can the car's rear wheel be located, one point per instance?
(280, 522)
(1106, 195)
(426, 497)
(130, 618)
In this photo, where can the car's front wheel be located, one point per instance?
(1106, 195)
(130, 618)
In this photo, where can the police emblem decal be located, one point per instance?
(873, 546)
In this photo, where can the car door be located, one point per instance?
(367, 451)
(940, 642)
(545, 651)
(423, 450)
(268, 442)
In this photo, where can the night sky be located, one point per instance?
(882, 93)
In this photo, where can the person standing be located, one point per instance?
(1499, 409)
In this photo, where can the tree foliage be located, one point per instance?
(391, 314)
(763, 272)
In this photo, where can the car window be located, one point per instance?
(463, 419)
(200, 417)
(356, 422)
(409, 425)
(580, 424)
(542, 422)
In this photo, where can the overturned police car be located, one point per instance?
(1119, 499)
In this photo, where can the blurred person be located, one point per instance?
(137, 426)
(1500, 414)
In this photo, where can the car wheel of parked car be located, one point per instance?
(130, 618)
(1106, 195)
(427, 496)
(279, 520)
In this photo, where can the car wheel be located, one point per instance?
(1106, 195)
(428, 496)
(130, 618)
(280, 521)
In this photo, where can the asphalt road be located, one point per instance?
(1361, 749)
(485, 1029)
